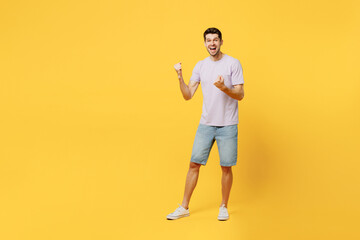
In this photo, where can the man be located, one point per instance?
(222, 86)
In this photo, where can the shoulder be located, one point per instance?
(233, 60)
(200, 63)
(234, 63)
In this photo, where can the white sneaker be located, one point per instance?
(178, 213)
(223, 213)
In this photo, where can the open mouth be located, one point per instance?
(212, 49)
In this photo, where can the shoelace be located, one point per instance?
(178, 210)
(223, 210)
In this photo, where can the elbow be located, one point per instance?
(187, 98)
(241, 97)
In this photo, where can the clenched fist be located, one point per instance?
(219, 83)
(178, 68)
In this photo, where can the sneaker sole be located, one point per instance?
(223, 219)
(174, 218)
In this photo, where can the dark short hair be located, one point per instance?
(212, 30)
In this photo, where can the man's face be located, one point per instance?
(213, 43)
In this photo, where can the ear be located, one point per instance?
(221, 43)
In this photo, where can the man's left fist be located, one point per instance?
(219, 83)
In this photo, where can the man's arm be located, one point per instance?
(237, 92)
(187, 91)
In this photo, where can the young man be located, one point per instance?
(222, 82)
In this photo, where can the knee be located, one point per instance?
(226, 170)
(194, 166)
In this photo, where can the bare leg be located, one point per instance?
(226, 182)
(190, 184)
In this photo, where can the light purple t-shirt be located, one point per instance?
(219, 109)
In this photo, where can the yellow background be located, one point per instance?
(96, 138)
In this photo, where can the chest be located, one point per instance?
(210, 73)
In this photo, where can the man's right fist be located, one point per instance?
(178, 67)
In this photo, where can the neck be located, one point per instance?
(217, 57)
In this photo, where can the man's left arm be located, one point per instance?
(237, 92)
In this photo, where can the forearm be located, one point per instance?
(234, 93)
(184, 89)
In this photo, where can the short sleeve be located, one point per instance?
(237, 73)
(196, 73)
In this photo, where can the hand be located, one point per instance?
(220, 83)
(178, 68)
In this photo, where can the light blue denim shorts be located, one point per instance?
(226, 139)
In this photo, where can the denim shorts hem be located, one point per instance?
(202, 163)
(227, 165)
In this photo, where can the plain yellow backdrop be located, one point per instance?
(96, 138)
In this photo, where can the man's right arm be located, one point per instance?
(187, 91)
